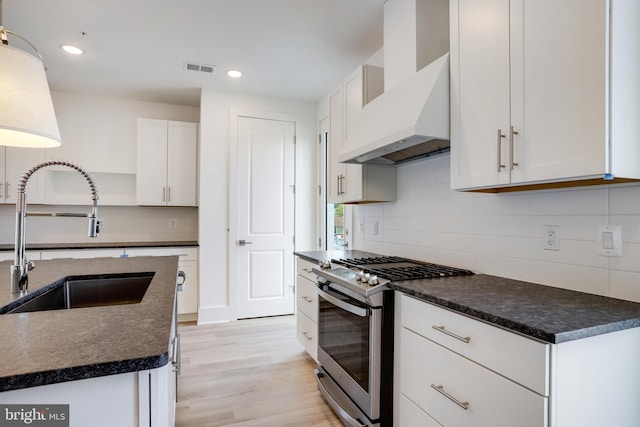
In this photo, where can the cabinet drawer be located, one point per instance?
(307, 334)
(410, 415)
(491, 400)
(304, 267)
(307, 297)
(185, 253)
(521, 359)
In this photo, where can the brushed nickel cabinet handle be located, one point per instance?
(451, 334)
(306, 335)
(164, 194)
(511, 133)
(500, 136)
(440, 389)
(307, 299)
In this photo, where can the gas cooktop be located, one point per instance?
(367, 276)
(396, 268)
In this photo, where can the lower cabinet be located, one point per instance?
(452, 370)
(188, 263)
(307, 307)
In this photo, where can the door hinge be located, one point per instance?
(319, 242)
(293, 238)
(319, 190)
(295, 139)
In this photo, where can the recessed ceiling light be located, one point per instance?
(235, 74)
(72, 49)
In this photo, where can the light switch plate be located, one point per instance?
(609, 240)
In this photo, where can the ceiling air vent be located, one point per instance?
(203, 68)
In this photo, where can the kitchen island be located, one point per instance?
(92, 353)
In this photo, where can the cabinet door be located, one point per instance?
(188, 298)
(188, 262)
(151, 177)
(335, 171)
(182, 164)
(559, 90)
(17, 161)
(479, 92)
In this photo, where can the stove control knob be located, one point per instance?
(359, 276)
(373, 280)
(366, 277)
(324, 263)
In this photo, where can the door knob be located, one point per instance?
(243, 242)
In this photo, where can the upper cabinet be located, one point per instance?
(14, 162)
(167, 163)
(543, 93)
(352, 183)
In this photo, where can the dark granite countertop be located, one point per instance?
(55, 346)
(315, 256)
(546, 313)
(98, 244)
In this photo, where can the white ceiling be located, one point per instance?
(296, 49)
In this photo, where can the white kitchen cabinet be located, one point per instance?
(307, 307)
(188, 263)
(167, 163)
(81, 253)
(351, 183)
(542, 92)
(494, 377)
(9, 255)
(14, 162)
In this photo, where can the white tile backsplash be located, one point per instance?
(502, 234)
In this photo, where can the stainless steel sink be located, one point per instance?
(90, 291)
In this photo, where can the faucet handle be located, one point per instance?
(30, 265)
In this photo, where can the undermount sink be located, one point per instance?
(90, 291)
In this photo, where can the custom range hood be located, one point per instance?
(410, 120)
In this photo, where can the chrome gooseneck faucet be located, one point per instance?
(21, 265)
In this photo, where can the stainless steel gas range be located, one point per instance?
(355, 333)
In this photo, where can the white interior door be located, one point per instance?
(265, 217)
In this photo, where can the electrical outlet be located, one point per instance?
(173, 223)
(552, 237)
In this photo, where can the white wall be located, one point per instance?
(502, 234)
(216, 302)
(100, 134)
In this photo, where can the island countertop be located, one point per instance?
(54, 346)
(546, 313)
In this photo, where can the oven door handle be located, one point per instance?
(358, 311)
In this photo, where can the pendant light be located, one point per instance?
(27, 117)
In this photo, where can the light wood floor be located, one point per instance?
(248, 373)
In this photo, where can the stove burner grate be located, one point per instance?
(405, 269)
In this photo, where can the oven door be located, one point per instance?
(349, 347)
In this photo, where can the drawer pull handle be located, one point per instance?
(440, 389)
(306, 335)
(451, 334)
(308, 270)
(307, 299)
